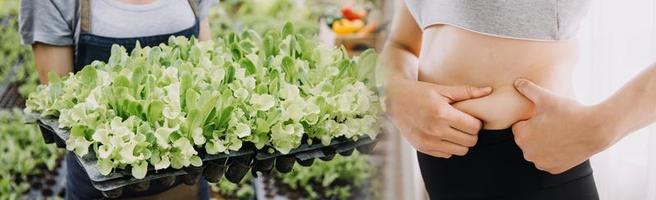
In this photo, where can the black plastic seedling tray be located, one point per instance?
(121, 178)
(50, 184)
(9, 96)
(234, 165)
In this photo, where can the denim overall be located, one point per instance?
(92, 47)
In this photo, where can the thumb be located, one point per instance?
(518, 128)
(461, 93)
(531, 91)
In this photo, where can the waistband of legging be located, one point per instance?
(487, 137)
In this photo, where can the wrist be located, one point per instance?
(392, 81)
(606, 124)
(396, 77)
(389, 88)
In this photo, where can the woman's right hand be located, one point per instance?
(423, 114)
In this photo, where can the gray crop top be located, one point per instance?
(544, 20)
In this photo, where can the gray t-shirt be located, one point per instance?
(543, 20)
(58, 22)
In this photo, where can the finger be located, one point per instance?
(452, 135)
(461, 93)
(518, 130)
(519, 127)
(422, 141)
(539, 167)
(531, 91)
(450, 148)
(427, 148)
(463, 122)
(461, 138)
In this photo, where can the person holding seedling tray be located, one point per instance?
(68, 35)
(243, 101)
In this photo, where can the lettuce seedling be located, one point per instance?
(159, 105)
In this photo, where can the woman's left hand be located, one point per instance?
(562, 133)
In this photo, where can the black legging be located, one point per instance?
(495, 169)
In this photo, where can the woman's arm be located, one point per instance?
(421, 111)
(632, 107)
(205, 33)
(563, 133)
(402, 47)
(51, 58)
(204, 7)
(47, 27)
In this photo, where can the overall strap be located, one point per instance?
(194, 6)
(85, 20)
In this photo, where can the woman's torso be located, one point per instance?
(454, 56)
(495, 167)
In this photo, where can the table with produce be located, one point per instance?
(262, 111)
(357, 28)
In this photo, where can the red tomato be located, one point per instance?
(348, 13)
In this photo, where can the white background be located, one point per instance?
(618, 40)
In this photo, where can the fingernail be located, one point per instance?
(487, 89)
(519, 82)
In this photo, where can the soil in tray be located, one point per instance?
(11, 98)
(37, 185)
(50, 182)
(47, 192)
(45, 183)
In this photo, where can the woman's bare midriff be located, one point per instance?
(454, 56)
